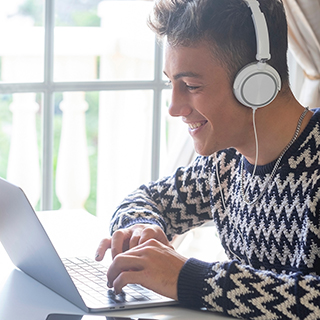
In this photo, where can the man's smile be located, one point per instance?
(196, 125)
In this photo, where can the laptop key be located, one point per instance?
(90, 277)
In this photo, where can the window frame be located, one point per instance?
(49, 87)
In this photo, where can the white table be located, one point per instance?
(23, 298)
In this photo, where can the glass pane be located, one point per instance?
(176, 144)
(75, 150)
(98, 136)
(22, 41)
(20, 139)
(125, 138)
(107, 40)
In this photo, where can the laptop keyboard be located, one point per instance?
(90, 278)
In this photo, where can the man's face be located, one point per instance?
(202, 95)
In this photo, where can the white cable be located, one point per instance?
(257, 149)
(245, 189)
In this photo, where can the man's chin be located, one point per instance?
(202, 152)
(205, 152)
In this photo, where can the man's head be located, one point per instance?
(226, 26)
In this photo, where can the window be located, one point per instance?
(82, 101)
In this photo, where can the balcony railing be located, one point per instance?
(96, 52)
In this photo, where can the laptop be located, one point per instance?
(79, 280)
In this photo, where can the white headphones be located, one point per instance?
(257, 83)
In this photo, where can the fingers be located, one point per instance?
(149, 233)
(126, 277)
(153, 232)
(135, 238)
(123, 271)
(151, 264)
(125, 239)
(104, 245)
(120, 241)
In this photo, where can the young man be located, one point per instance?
(257, 176)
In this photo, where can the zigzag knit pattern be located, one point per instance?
(273, 245)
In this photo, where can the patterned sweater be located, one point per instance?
(273, 245)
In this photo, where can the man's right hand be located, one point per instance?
(125, 239)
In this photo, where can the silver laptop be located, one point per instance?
(79, 280)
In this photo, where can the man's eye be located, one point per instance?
(191, 87)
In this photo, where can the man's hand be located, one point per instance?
(152, 264)
(143, 255)
(125, 239)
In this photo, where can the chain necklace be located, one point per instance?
(276, 166)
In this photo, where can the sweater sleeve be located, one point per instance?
(243, 292)
(176, 203)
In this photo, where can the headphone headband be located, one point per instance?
(261, 30)
(257, 84)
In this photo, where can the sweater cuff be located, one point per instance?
(126, 223)
(191, 283)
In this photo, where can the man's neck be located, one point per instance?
(276, 125)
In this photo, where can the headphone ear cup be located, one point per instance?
(256, 85)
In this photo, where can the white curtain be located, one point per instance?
(304, 42)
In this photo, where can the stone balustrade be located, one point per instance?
(122, 117)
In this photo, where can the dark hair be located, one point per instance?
(227, 26)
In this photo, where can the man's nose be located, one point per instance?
(179, 105)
